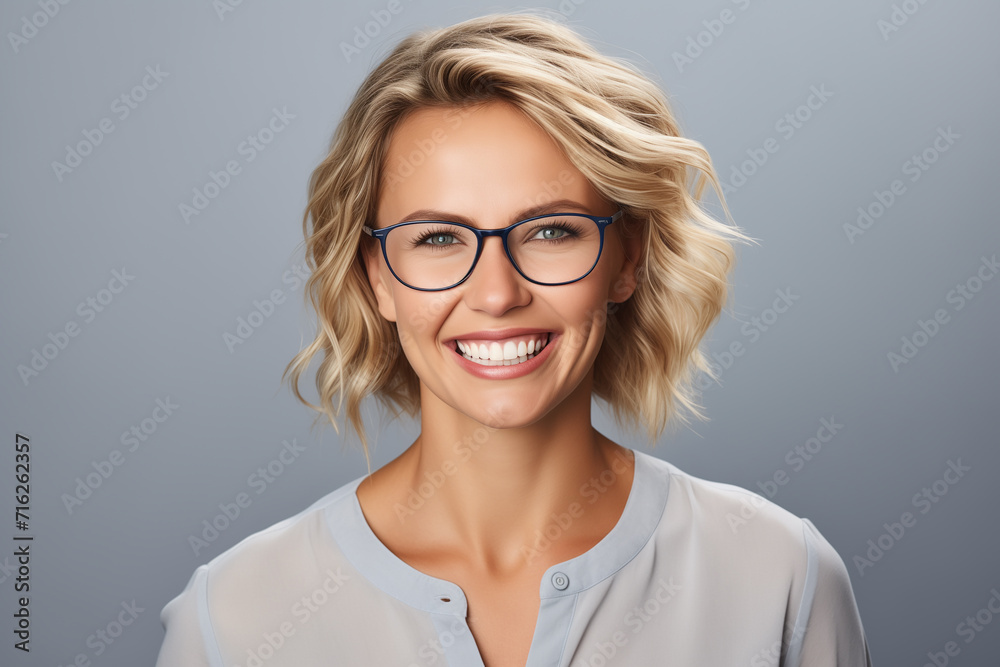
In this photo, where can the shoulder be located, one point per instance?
(734, 544)
(737, 539)
(728, 513)
(228, 595)
(280, 545)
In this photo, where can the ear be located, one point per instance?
(378, 275)
(630, 239)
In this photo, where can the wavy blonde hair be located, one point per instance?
(615, 126)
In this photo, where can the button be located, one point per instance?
(560, 581)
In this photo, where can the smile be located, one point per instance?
(503, 353)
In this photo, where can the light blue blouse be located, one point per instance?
(695, 573)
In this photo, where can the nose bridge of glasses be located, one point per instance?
(485, 235)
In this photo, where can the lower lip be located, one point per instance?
(507, 372)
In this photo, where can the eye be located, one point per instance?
(436, 238)
(554, 231)
(432, 236)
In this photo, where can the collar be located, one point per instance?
(359, 544)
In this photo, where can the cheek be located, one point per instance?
(420, 315)
(583, 313)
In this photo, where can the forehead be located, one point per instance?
(484, 161)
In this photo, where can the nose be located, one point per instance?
(495, 286)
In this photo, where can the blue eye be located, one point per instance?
(567, 231)
(436, 236)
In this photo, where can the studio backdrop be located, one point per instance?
(155, 158)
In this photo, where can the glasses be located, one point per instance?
(552, 249)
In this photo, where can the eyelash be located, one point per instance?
(422, 240)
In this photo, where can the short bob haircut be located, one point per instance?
(615, 126)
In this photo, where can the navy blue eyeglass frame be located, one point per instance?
(601, 221)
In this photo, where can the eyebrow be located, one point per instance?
(558, 205)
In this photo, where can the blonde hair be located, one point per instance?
(615, 126)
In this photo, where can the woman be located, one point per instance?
(511, 532)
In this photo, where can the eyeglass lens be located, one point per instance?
(552, 249)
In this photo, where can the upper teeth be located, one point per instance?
(496, 350)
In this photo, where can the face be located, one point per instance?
(490, 164)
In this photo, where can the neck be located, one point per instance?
(511, 498)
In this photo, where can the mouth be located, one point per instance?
(509, 352)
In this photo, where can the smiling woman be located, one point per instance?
(506, 226)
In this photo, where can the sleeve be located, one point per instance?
(828, 630)
(189, 641)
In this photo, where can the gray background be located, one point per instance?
(162, 336)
